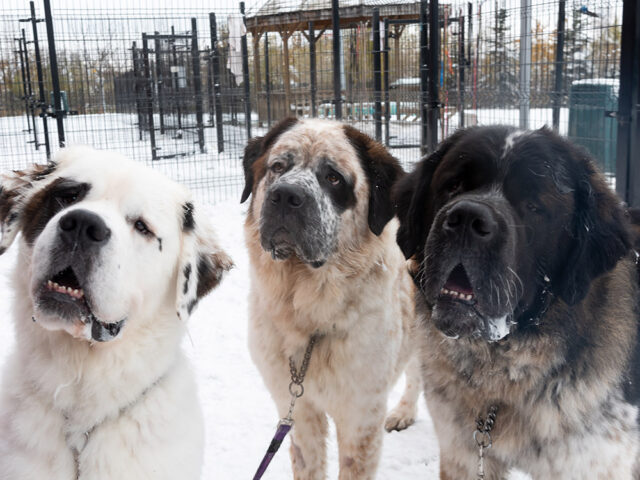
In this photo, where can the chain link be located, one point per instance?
(482, 436)
(296, 389)
(297, 377)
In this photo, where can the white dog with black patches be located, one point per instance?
(113, 258)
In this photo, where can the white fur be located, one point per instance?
(125, 409)
(360, 302)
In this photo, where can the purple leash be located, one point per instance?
(281, 432)
(284, 425)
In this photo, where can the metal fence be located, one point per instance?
(182, 86)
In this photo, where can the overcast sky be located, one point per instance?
(119, 5)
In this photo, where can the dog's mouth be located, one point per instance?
(457, 313)
(64, 296)
(458, 286)
(282, 245)
(66, 282)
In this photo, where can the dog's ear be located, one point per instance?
(599, 230)
(15, 189)
(256, 147)
(382, 171)
(202, 262)
(410, 198)
(252, 152)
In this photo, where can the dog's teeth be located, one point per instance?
(55, 285)
(469, 297)
(445, 291)
(69, 289)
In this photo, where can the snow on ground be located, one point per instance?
(240, 416)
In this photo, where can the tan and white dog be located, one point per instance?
(113, 258)
(324, 263)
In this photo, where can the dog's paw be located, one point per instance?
(401, 417)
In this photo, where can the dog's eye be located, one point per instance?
(334, 178)
(141, 227)
(454, 186)
(67, 197)
(532, 207)
(277, 167)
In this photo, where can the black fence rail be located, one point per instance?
(183, 86)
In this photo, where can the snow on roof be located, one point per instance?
(597, 81)
(274, 7)
(406, 81)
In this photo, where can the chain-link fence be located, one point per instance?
(182, 86)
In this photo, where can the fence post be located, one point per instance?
(429, 69)
(30, 90)
(557, 91)
(267, 77)
(159, 82)
(312, 68)
(58, 111)
(42, 104)
(136, 86)
(337, 90)
(149, 92)
(628, 147)
(377, 74)
(197, 83)
(462, 63)
(178, 100)
(245, 75)
(216, 80)
(210, 95)
(24, 82)
(525, 62)
(385, 75)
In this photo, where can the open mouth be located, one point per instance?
(66, 283)
(69, 300)
(458, 286)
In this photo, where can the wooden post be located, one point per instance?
(287, 82)
(256, 35)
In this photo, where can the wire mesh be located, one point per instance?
(163, 86)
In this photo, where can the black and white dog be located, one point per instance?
(112, 260)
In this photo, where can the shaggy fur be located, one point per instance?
(349, 286)
(528, 301)
(97, 386)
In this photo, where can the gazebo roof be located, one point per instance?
(288, 15)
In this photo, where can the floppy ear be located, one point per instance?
(256, 147)
(599, 230)
(202, 262)
(15, 189)
(410, 198)
(382, 170)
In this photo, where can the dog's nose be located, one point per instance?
(473, 217)
(84, 228)
(287, 195)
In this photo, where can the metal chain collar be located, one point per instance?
(296, 389)
(482, 436)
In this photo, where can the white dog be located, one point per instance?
(113, 258)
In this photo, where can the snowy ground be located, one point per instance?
(213, 176)
(240, 416)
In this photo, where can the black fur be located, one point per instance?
(256, 147)
(382, 170)
(188, 222)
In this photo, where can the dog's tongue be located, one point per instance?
(459, 281)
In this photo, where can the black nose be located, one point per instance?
(287, 195)
(83, 228)
(472, 218)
